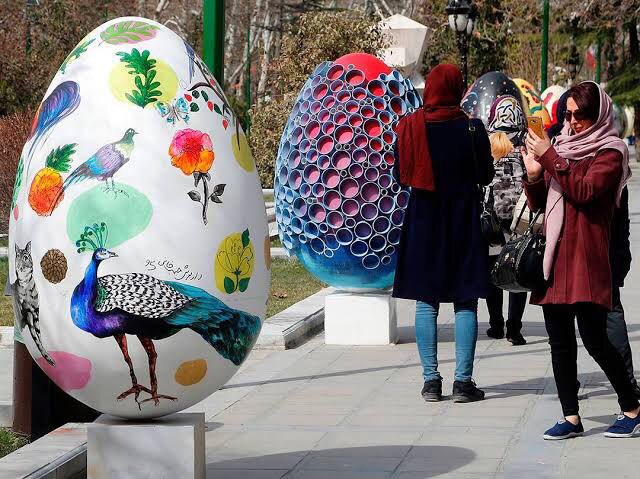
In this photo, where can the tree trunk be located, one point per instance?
(634, 49)
(267, 37)
(142, 8)
(636, 129)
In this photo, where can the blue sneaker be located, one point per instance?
(624, 427)
(563, 430)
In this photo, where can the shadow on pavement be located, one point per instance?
(366, 462)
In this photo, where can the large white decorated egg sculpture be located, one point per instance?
(138, 238)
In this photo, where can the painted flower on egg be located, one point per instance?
(234, 263)
(192, 151)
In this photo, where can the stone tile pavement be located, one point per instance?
(355, 412)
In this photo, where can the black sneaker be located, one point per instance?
(432, 390)
(517, 339)
(466, 391)
(495, 333)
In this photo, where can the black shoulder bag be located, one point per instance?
(519, 265)
(489, 221)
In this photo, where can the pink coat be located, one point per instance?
(581, 270)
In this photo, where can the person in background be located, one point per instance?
(620, 260)
(578, 181)
(506, 133)
(442, 256)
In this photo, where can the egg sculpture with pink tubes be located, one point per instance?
(339, 208)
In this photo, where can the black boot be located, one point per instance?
(466, 391)
(516, 339)
(495, 333)
(432, 390)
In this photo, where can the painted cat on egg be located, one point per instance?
(135, 162)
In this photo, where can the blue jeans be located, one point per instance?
(466, 333)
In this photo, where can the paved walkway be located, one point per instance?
(356, 412)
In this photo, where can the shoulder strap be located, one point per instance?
(472, 135)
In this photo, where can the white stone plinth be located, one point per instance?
(169, 447)
(360, 318)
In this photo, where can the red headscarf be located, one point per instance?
(441, 102)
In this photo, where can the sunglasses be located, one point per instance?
(578, 115)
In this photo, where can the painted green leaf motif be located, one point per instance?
(128, 32)
(75, 54)
(243, 284)
(217, 109)
(143, 67)
(59, 158)
(245, 238)
(205, 97)
(18, 183)
(194, 107)
(229, 285)
(196, 94)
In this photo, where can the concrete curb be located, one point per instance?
(60, 454)
(294, 325)
(6, 336)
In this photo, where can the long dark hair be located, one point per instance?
(587, 97)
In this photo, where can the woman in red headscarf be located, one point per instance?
(442, 257)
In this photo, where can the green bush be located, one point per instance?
(316, 37)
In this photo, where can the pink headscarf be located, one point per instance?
(601, 135)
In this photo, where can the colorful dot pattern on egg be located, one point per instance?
(191, 372)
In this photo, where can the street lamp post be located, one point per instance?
(462, 17)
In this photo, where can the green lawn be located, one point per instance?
(6, 304)
(290, 283)
(9, 442)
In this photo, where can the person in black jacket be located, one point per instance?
(620, 259)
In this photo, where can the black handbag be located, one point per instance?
(489, 221)
(518, 267)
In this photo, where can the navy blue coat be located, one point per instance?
(442, 256)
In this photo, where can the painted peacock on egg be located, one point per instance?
(139, 258)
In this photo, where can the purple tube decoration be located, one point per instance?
(344, 236)
(332, 200)
(330, 178)
(350, 207)
(359, 248)
(335, 219)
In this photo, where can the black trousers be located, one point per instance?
(617, 332)
(592, 324)
(517, 303)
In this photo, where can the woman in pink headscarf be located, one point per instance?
(577, 181)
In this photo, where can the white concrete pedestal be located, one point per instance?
(360, 318)
(169, 447)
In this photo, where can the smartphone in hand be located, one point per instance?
(535, 123)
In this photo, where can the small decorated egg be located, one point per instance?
(136, 246)
(534, 101)
(338, 207)
(485, 90)
(550, 99)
